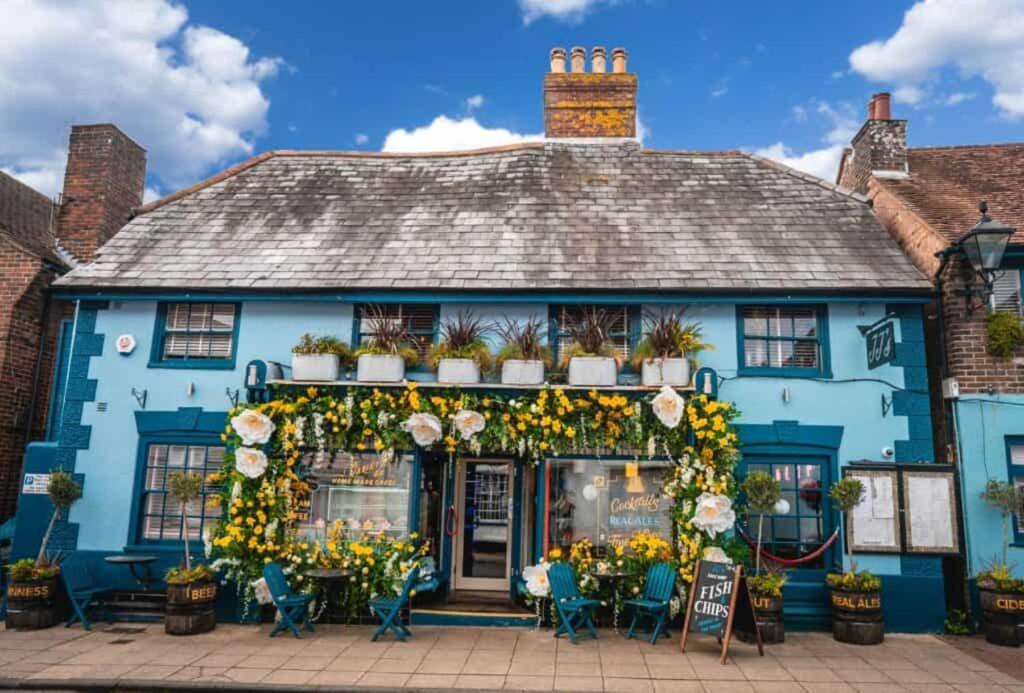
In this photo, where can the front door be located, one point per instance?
(483, 535)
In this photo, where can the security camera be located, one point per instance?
(888, 452)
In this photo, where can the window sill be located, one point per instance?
(784, 373)
(198, 364)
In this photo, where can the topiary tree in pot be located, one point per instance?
(1001, 593)
(191, 590)
(855, 597)
(763, 493)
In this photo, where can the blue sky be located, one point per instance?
(202, 85)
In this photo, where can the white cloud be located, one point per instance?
(361, 138)
(719, 91)
(571, 11)
(959, 97)
(979, 38)
(446, 134)
(822, 162)
(474, 102)
(191, 95)
(150, 194)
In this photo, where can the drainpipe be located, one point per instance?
(37, 368)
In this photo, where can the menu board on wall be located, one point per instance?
(873, 526)
(931, 512)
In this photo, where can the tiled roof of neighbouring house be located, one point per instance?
(946, 184)
(552, 215)
(26, 215)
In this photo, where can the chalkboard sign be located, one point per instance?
(719, 601)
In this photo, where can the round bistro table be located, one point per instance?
(139, 565)
(330, 579)
(616, 578)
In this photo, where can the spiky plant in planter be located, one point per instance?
(462, 337)
(590, 356)
(855, 597)
(523, 350)
(763, 492)
(668, 349)
(388, 348)
(191, 590)
(1002, 606)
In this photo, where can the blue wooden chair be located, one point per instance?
(389, 609)
(293, 608)
(653, 605)
(83, 591)
(574, 611)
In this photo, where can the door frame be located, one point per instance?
(483, 584)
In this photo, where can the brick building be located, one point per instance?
(39, 240)
(928, 198)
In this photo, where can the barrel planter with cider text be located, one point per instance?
(190, 608)
(32, 604)
(1003, 617)
(857, 617)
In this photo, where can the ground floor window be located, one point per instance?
(605, 501)
(805, 526)
(366, 492)
(161, 516)
(1016, 463)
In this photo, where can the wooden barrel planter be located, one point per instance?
(32, 604)
(190, 608)
(769, 619)
(857, 617)
(1003, 617)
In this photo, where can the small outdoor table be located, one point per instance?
(138, 564)
(616, 578)
(331, 580)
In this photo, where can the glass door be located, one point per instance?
(483, 533)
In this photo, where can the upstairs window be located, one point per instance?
(420, 320)
(196, 335)
(783, 340)
(161, 516)
(622, 320)
(1006, 292)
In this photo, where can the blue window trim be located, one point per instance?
(157, 360)
(634, 327)
(1014, 472)
(357, 328)
(62, 357)
(824, 349)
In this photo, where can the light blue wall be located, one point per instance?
(983, 422)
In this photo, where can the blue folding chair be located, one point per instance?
(653, 605)
(574, 611)
(83, 591)
(389, 609)
(292, 607)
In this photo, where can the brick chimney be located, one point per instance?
(878, 149)
(103, 183)
(589, 104)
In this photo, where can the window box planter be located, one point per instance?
(316, 367)
(519, 372)
(190, 608)
(458, 371)
(672, 371)
(32, 604)
(593, 371)
(380, 368)
(1002, 614)
(769, 620)
(857, 617)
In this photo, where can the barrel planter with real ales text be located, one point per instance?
(857, 617)
(32, 604)
(190, 608)
(1003, 617)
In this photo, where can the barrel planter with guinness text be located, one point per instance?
(1003, 617)
(857, 617)
(32, 604)
(190, 608)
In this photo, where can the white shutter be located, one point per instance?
(1006, 292)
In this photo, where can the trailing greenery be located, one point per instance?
(1004, 334)
(326, 344)
(590, 335)
(185, 576)
(27, 570)
(762, 492)
(767, 584)
(387, 336)
(63, 491)
(463, 337)
(1004, 498)
(864, 581)
(666, 336)
(999, 578)
(523, 341)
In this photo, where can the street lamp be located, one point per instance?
(983, 246)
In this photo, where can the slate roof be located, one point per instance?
(551, 215)
(946, 184)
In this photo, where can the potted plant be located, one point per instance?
(191, 589)
(462, 353)
(1002, 594)
(764, 493)
(664, 355)
(32, 591)
(591, 357)
(319, 358)
(855, 597)
(387, 351)
(524, 356)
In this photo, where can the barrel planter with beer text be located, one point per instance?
(32, 604)
(1003, 617)
(769, 620)
(857, 617)
(190, 608)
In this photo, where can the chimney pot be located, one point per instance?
(558, 60)
(619, 60)
(577, 58)
(598, 59)
(871, 108)
(883, 106)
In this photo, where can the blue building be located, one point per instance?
(780, 268)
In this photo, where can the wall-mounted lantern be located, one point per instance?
(983, 246)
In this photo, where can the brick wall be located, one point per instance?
(103, 183)
(580, 104)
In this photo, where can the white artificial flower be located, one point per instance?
(668, 406)
(254, 428)
(250, 462)
(424, 428)
(715, 554)
(468, 423)
(261, 591)
(714, 514)
(536, 577)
